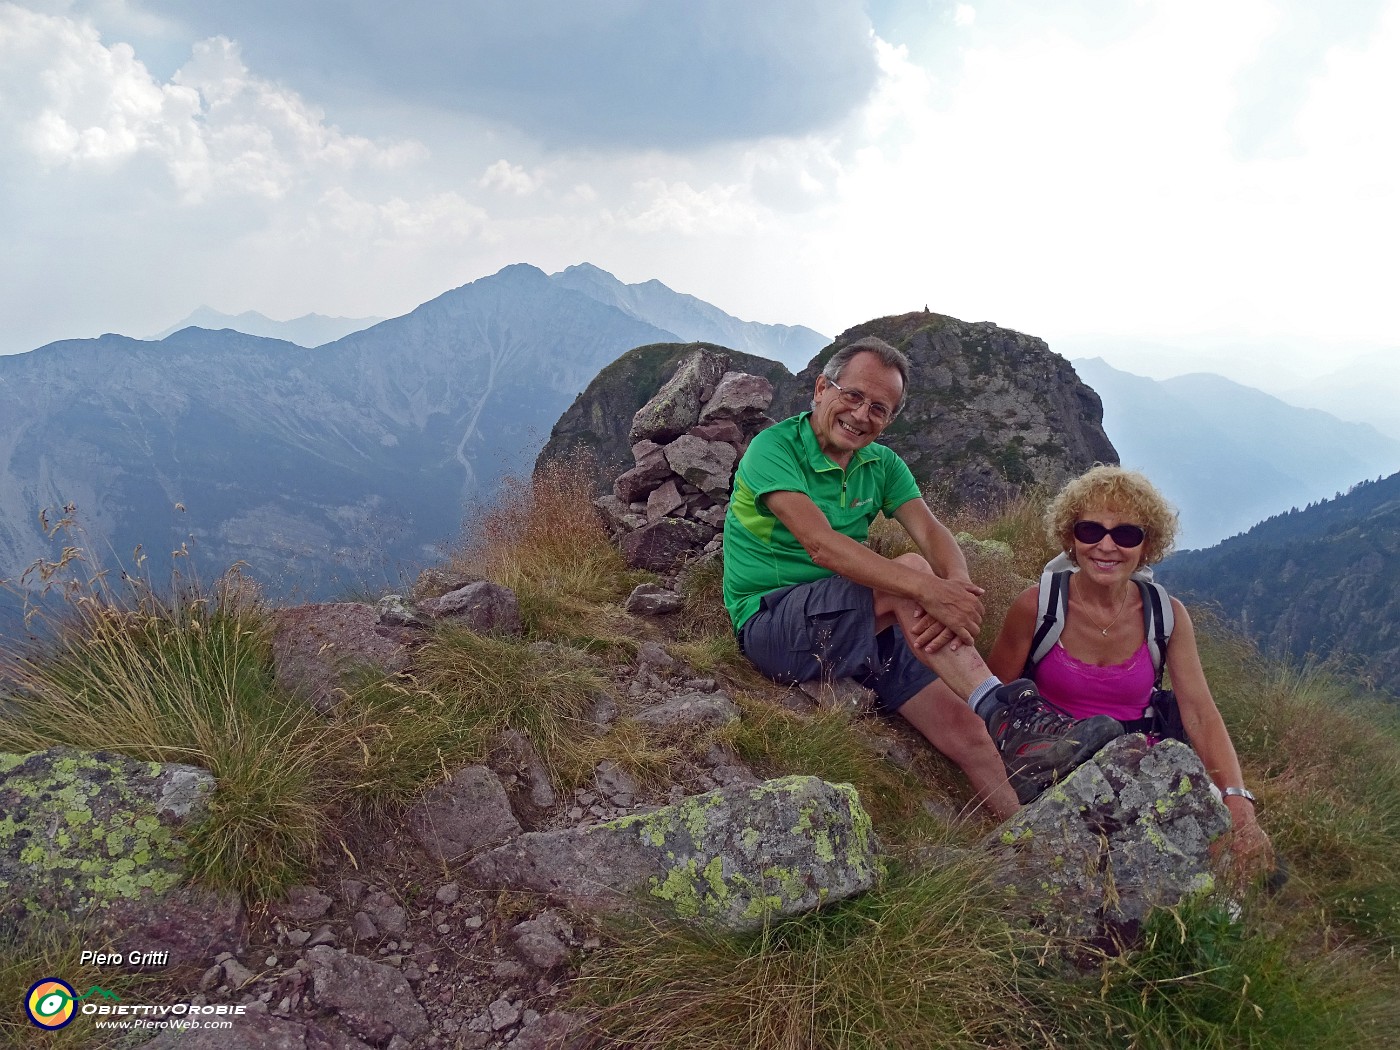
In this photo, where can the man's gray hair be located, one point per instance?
(888, 355)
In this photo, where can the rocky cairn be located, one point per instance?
(686, 441)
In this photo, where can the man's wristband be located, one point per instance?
(1241, 792)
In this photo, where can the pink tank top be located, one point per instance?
(1083, 690)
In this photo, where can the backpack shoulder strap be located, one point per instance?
(1052, 604)
(1158, 620)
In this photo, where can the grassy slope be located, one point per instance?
(924, 961)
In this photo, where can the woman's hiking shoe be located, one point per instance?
(1039, 743)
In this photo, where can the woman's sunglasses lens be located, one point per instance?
(1123, 535)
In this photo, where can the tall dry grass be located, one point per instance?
(543, 539)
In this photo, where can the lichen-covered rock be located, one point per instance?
(735, 857)
(1129, 830)
(675, 408)
(99, 836)
(394, 610)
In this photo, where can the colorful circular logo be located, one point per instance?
(50, 1003)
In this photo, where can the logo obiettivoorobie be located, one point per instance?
(50, 1003)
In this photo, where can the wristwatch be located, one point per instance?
(1241, 792)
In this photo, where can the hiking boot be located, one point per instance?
(1038, 742)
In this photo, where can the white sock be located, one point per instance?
(981, 693)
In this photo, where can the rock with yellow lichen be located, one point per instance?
(733, 857)
(102, 838)
(1130, 829)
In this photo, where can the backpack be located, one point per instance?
(1161, 715)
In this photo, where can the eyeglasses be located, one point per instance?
(879, 412)
(1092, 532)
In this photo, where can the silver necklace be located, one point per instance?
(1121, 606)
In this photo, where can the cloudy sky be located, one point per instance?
(1171, 183)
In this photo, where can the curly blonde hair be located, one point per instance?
(1124, 491)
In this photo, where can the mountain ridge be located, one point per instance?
(1318, 583)
(1229, 455)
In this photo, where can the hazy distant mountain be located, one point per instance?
(310, 330)
(321, 468)
(1320, 582)
(694, 320)
(1364, 390)
(1227, 455)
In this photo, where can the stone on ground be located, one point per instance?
(735, 857)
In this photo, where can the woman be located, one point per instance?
(1111, 522)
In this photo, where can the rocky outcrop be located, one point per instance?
(601, 419)
(990, 410)
(686, 441)
(100, 838)
(736, 856)
(1125, 832)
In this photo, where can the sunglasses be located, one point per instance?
(1123, 535)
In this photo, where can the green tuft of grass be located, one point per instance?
(920, 961)
(828, 744)
(187, 679)
(494, 683)
(1208, 976)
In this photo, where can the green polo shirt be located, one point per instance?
(760, 553)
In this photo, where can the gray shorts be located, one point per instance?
(826, 629)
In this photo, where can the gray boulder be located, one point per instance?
(692, 709)
(482, 607)
(735, 857)
(664, 545)
(675, 408)
(375, 1000)
(464, 814)
(95, 836)
(316, 647)
(1127, 831)
(738, 396)
(708, 465)
(647, 599)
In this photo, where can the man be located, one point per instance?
(808, 600)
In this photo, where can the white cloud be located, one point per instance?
(73, 101)
(964, 15)
(678, 207)
(444, 218)
(509, 178)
